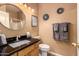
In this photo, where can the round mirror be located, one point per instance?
(12, 16)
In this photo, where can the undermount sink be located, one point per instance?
(17, 44)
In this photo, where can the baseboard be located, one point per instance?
(54, 54)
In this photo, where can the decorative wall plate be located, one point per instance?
(45, 16)
(60, 10)
(34, 21)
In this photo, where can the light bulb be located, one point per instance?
(25, 5)
(33, 10)
(20, 3)
(29, 8)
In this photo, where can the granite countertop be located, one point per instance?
(7, 50)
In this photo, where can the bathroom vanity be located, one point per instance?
(31, 49)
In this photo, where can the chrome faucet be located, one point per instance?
(17, 38)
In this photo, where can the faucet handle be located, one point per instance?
(18, 36)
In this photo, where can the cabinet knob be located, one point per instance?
(75, 44)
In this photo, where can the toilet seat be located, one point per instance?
(43, 46)
(44, 49)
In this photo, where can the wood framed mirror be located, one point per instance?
(12, 17)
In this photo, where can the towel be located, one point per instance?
(3, 39)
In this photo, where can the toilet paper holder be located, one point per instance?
(75, 44)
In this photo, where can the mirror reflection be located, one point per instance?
(11, 16)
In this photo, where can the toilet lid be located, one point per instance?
(43, 46)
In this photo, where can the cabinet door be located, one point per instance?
(15, 54)
(25, 51)
(34, 52)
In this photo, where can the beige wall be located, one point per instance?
(45, 27)
(3, 8)
(28, 13)
(46, 31)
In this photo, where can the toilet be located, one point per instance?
(44, 48)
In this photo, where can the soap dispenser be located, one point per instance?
(28, 35)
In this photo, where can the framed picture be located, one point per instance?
(34, 21)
